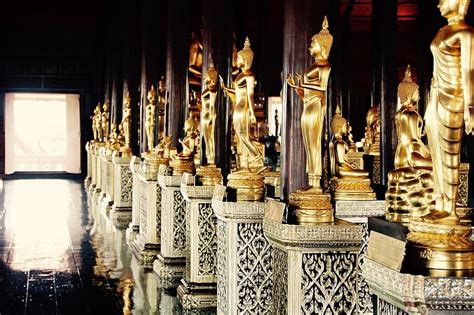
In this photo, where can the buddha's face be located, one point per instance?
(449, 8)
(240, 61)
(315, 49)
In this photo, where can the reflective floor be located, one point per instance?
(58, 256)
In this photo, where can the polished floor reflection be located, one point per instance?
(60, 256)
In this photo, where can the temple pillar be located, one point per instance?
(302, 19)
(217, 45)
(177, 63)
(384, 91)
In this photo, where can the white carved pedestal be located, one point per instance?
(401, 293)
(358, 212)
(170, 264)
(315, 267)
(197, 290)
(133, 227)
(96, 180)
(146, 244)
(121, 213)
(92, 157)
(244, 255)
(88, 179)
(107, 182)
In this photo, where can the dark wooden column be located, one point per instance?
(131, 66)
(177, 63)
(217, 44)
(153, 51)
(384, 28)
(302, 19)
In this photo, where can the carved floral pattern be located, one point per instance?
(207, 240)
(365, 300)
(280, 281)
(179, 222)
(329, 283)
(254, 271)
(385, 308)
(221, 266)
(158, 213)
(142, 207)
(125, 184)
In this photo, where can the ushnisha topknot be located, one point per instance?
(407, 87)
(246, 53)
(324, 38)
(337, 120)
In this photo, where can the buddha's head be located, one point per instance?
(321, 43)
(127, 100)
(339, 125)
(408, 91)
(453, 9)
(190, 125)
(245, 56)
(373, 120)
(151, 96)
(162, 85)
(106, 106)
(210, 79)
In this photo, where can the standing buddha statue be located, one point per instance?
(161, 102)
(410, 184)
(210, 174)
(438, 240)
(348, 182)
(125, 125)
(311, 203)
(104, 121)
(150, 119)
(96, 124)
(247, 181)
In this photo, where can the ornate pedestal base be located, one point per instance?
(351, 189)
(198, 288)
(359, 212)
(171, 262)
(209, 175)
(147, 244)
(248, 186)
(401, 293)
(272, 183)
(106, 199)
(88, 179)
(181, 165)
(121, 213)
(133, 227)
(244, 272)
(312, 206)
(314, 267)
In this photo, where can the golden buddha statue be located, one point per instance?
(125, 125)
(438, 240)
(348, 182)
(184, 161)
(209, 175)
(410, 184)
(313, 206)
(150, 118)
(246, 180)
(104, 121)
(372, 134)
(161, 107)
(113, 142)
(208, 112)
(96, 124)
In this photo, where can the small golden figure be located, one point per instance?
(438, 240)
(208, 112)
(125, 125)
(105, 121)
(184, 161)
(410, 184)
(96, 124)
(372, 131)
(248, 183)
(348, 182)
(161, 108)
(209, 175)
(150, 119)
(313, 206)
